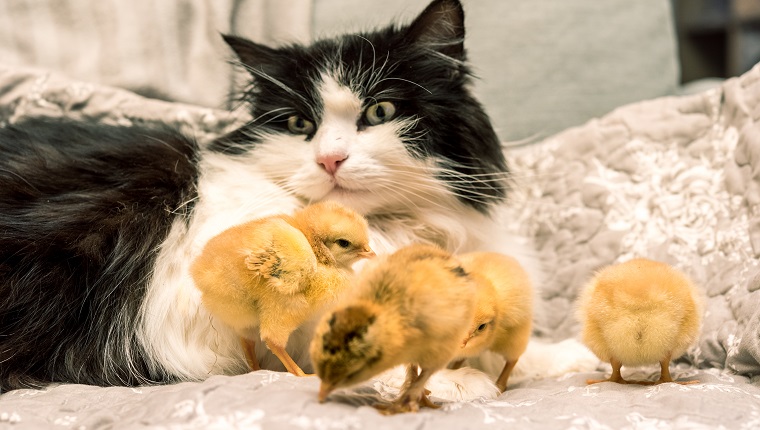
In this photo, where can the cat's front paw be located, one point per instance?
(463, 384)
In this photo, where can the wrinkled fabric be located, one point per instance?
(674, 179)
(265, 399)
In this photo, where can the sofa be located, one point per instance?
(610, 162)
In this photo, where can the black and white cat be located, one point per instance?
(99, 224)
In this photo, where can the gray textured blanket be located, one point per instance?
(673, 179)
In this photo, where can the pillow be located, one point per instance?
(28, 92)
(168, 50)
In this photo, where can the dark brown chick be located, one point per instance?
(411, 307)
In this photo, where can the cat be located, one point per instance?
(99, 224)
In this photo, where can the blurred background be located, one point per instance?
(717, 38)
(541, 66)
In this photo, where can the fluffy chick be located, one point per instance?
(411, 307)
(273, 274)
(639, 312)
(504, 311)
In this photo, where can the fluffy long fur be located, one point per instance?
(82, 215)
(99, 224)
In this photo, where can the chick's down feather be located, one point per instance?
(640, 312)
(412, 308)
(503, 316)
(269, 276)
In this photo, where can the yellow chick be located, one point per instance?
(273, 274)
(639, 312)
(411, 307)
(504, 311)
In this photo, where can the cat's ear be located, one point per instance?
(250, 53)
(441, 27)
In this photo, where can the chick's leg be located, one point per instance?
(412, 371)
(416, 394)
(665, 373)
(249, 348)
(615, 377)
(278, 349)
(501, 381)
(457, 364)
(413, 394)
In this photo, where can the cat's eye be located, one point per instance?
(343, 243)
(380, 113)
(299, 125)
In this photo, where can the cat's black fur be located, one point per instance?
(84, 208)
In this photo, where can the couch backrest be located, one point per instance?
(543, 65)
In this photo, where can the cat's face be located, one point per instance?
(377, 121)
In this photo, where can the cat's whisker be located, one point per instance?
(465, 193)
(371, 72)
(376, 76)
(457, 63)
(474, 190)
(449, 174)
(404, 80)
(260, 74)
(523, 176)
(248, 123)
(276, 113)
(167, 145)
(469, 192)
(290, 189)
(467, 161)
(455, 175)
(550, 204)
(180, 208)
(461, 181)
(411, 203)
(443, 163)
(399, 191)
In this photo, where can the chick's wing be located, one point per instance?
(280, 254)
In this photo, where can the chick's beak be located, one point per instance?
(367, 253)
(324, 391)
(464, 342)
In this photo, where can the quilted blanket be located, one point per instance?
(673, 179)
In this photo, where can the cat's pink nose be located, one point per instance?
(331, 162)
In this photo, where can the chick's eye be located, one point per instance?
(343, 243)
(299, 125)
(482, 327)
(380, 113)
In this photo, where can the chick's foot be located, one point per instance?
(407, 403)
